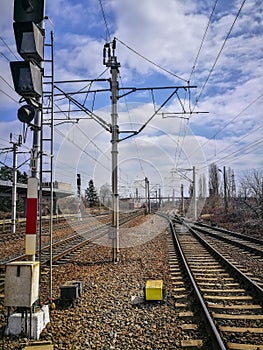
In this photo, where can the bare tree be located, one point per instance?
(251, 192)
(232, 184)
(105, 194)
(213, 180)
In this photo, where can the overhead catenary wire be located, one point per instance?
(248, 147)
(150, 61)
(237, 116)
(218, 55)
(108, 36)
(93, 143)
(134, 140)
(203, 39)
(7, 59)
(99, 120)
(183, 130)
(7, 83)
(11, 98)
(80, 148)
(7, 141)
(66, 174)
(230, 122)
(241, 139)
(233, 155)
(8, 47)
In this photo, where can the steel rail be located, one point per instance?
(70, 238)
(217, 340)
(253, 286)
(203, 228)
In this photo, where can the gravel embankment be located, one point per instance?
(105, 317)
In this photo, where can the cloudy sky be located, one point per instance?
(213, 45)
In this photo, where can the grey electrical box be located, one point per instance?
(69, 292)
(21, 283)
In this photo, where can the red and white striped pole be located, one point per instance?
(31, 216)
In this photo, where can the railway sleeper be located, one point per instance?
(236, 346)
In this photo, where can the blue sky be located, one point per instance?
(228, 76)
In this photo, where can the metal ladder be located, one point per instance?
(46, 172)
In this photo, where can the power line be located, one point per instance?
(105, 22)
(7, 82)
(182, 130)
(219, 53)
(230, 122)
(238, 115)
(134, 140)
(89, 85)
(11, 98)
(82, 149)
(150, 61)
(203, 39)
(94, 144)
(77, 146)
(66, 174)
(242, 138)
(1, 53)
(4, 140)
(249, 147)
(12, 52)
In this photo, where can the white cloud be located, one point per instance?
(169, 33)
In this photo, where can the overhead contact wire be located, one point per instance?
(219, 53)
(12, 52)
(105, 22)
(150, 61)
(203, 39)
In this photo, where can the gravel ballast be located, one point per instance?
(105, 317)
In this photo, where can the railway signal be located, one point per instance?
(27, 75)
(78, 184)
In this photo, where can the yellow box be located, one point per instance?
(154, 290)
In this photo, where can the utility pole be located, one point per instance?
(114, 65)
(225, 190)
(147, 192)
(149, 199)
(110, 61)
(193, 181)
(182, 198)
(194, 193)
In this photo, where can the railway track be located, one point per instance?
(250, 248)
(67, 246)
(253, 245)
(59, 223)
(231, 302)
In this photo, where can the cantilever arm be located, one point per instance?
(99, 120)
